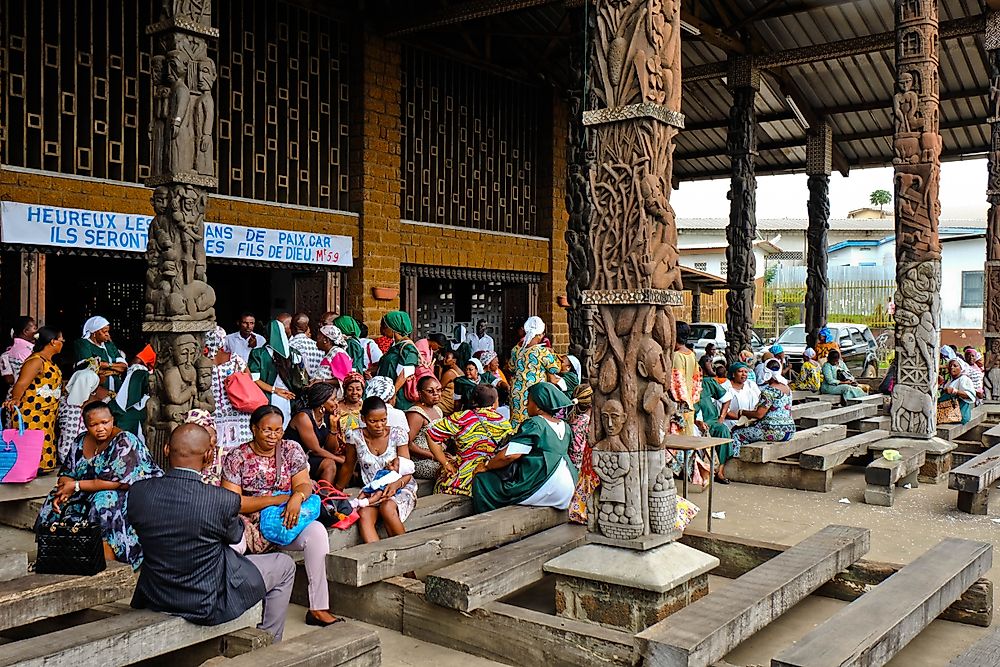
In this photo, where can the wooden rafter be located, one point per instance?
(781, 8)
(789, 88)
(468, 11)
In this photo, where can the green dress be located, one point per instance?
(572, 381)
(712, 391)
(402, 353)
(84, 349)
(490, 492)
(357, 354)
(132, 417)
(464, 388)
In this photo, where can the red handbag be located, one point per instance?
(337, 503)
(243, 392)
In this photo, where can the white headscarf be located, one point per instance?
(459, 334)
(772, 371)
(475, 362)
(93, 325)
(575, 363)
(81, 385)
(532, 327)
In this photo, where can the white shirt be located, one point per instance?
(236, 344)
(396, 418)
(485, 343)
(372, 354)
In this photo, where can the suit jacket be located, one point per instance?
(185, 527)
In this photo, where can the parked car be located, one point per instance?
(857, 346)
(703, 333)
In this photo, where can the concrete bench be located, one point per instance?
(882, 476)
(344, 644)
(879, 423)
(984, 653)
(973, 479)
(991, 436)
(937, 455)
(368, 563)
(832, 455)
(840, 415)
(764, 452)
(876, 626)
(709, 628)
(956, 431)
(809, 409)
(118, 640)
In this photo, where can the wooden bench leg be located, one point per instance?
(879, 495)
(974, 503)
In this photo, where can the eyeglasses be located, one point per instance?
(271, 431)
(433, 391)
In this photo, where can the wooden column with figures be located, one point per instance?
(917, 165)
(741, 143)
(180, 304)
(819, 164)
(991, 313)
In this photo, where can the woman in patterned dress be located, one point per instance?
(94, 481)
(232, 427)
(476, 432)
(372, 448)
(23, 339)
(533, 363)
(773, 414)
(419, 418)
(37, 390)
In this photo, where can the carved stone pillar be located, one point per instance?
(741, 143)
(991, 313)
(819, 164)
(917, 164)
(180, 304)
(636, 83)
(579, 159)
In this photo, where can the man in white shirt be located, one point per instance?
(301, 341)
(481, 341)
(242, 341)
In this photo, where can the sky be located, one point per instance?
(963, 193)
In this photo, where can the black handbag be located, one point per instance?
(69, 546)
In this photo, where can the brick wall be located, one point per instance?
(553, 208)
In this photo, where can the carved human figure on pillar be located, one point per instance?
(906, 105)
(180, 379)
(161, 113)
(204, 119)
(180, 155)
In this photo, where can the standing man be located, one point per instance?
(96, 343)
(242, 341)
(481, 341)
(191, 531)
(301, 341)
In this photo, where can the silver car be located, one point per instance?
(703, 333)
(857, 346)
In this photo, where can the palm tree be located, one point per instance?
(880, 198)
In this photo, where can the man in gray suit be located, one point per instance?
(186, 529)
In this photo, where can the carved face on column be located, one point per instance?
(185, 351)
(157, 64)
(161, 199)
(204, 381)
(206, 75)
(905, 82)
(189, 202)
(176, 66)
(613, 417)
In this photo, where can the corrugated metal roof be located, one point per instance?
(841, 224)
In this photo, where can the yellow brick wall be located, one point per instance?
(554, 284)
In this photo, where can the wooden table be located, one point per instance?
(691, 443)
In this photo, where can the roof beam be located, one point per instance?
(723, 123)
(791, 90)
(773, 10)
(887, 103)
(761, 148)
(469, 11)
(883, 41)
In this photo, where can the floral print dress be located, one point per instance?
(776, 425)
(531, 366)
(370, 464)
(126, 461)
(477, 434)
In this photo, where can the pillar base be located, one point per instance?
(629, 589)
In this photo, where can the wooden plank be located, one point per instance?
(13, 564)
(954, 431)
(800, 396)
(430, 511)
(991, 436)
(873, 628)
(117, 641)
(36, 488)
(781, 474)
(367, 563)
(711, 627)
(879, 423)
(37, 596)
(883, 472)
(765, 452)
(340, 645)
(871, 399)
(832, 455)
(517, 636)
(978, 474)
(490, 576)
(981, 654)
(840, 415)
(739, 555)
(809, 408)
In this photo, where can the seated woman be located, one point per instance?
(811, 375)
(534, 467)
(476, 433)
(94, 481)
(465, 385)
(959, 387)
(310, 427)
(373, 447)
(837, 380)
(709, 411)
(773, 414)
(266, 465)
(744, 393)
(349, 407)
(419, 418)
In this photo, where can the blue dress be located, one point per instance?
(125, 460)
(777, 424)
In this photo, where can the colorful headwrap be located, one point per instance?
(735, 366)
(382, 387)
(477, 363)
(335, 335)
(486, 357)
(348, 325)
(399, 322)
(746, 355)
(825, 335)
(199, 417)
(354, 377)
(147, 356)
(534, 326)
(214, 341)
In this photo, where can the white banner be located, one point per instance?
(34, 224)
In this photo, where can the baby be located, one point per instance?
(394, 471)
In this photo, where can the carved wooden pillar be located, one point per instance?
(180, 304)
(579, 158)
(917, 164)
(741, 143)
(696, 303)
(991, 313)
(636, 82)
(819, 163)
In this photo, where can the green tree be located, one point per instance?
(880, 198)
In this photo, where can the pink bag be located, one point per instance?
(20, 452)
(244, 393)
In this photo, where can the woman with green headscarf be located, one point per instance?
(534, 467)
(269, 367)
(710, 410)
(401, 360)
(352, 331)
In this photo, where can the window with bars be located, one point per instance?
(973, 288)
(701, 266)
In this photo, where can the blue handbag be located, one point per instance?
(272, 524)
